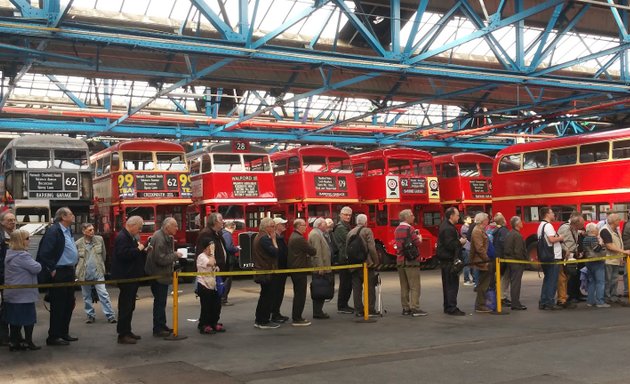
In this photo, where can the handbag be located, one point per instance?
(220, 286)
(322, 288)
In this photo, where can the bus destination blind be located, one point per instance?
(53, 185)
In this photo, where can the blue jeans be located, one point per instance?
(103, 297)
(612, 281)
(160, 293)
(466, 260)
(549, 285)
(596, 282)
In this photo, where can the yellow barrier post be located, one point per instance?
(497, 273)
(175, 335)
(366, 295)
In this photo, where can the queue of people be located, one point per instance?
(60, 259)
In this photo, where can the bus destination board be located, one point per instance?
(479, 189)
(331, 186)
(414, 186)
(245, 186)
(53, 185)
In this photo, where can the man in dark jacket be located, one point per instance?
(514, 249)
(340, 236)
(128, 261)
(58, 256)
(7, 225)
(299, 253)
(449, 246)
(161, 258)
(231, 259)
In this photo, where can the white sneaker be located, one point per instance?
(603, 305)
(266, 326)
(468, 283)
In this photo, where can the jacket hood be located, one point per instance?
(11, 254)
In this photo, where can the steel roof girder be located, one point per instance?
(27, 10)
(221, 26)
(422, 7)
(487, 30)
(369, 36)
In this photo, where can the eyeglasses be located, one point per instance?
(28, 237)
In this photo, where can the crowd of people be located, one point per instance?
(471, 249)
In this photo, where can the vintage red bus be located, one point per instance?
(42, 173)
(465, 182)
(313, 181)
(587, 173)
(234, 179)
(390, 180)
(147, 178)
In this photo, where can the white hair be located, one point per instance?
(481, 217)
(361, 219)
(318, 222)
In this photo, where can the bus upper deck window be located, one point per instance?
(227, 163)
(257, 163)
(375, 167)
(422, 168)
(170, 161)
(591, 153)
(563, 156)
(138, 161)
(449, 170)
(398, 167)
(194, 165)
(486, 169)
(340, 165)
(468, 170)
(510, 163)
(115, 164)
(314, 164)
(32, 158)
(621, 149)
(359, 169)
(280, 167)
(294, 165)
(535, 160)
(70, 159)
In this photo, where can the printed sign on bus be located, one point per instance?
(53, 185)
(480, 189)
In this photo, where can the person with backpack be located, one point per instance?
(515, 249)
(408, 264)
(360, 247)
(547, 234)
(497, 238)
(339, 237)
(449, 245)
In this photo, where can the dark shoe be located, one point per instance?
(322, 315)
(268, 325)
(345, 310)
(456, 312)
(519, 308)
(13, 347)
(226, 304)
(31, 347)
(127, 339)
(69, 338)
(133, 335)
(482, 309)
(168, 329)
(406, 312)
(162, 333)
(278, 318)
(550, 307)
(90, 320)
(506, 302)
(111, 320)
(301, 323)
(568, 305)
(418, 313)
(56, 342)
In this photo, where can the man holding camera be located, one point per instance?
(449, 245)
(161, 258)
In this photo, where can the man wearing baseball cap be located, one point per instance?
(280, 279)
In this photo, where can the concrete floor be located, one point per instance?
(571, 346)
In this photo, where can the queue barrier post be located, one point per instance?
(497, 284)
(366, 295)
(175, 335)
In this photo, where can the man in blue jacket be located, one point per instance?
(58, 256)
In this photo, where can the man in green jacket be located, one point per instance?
(340, 235)
(91, 267)
(300, 251)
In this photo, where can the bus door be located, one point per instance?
(80, 210)
(254, 214)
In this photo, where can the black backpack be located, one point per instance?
(355, 249)
(409, 250)
(545, 252)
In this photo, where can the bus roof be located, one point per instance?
(47, 141)
(310, 150)
(393, 153)
(145, 145)
(228, 148)
(566, 141)
(461, 157)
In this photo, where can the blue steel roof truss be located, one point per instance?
(409, 58)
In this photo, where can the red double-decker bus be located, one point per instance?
(465, 182)
(391, 180)
(313, 181)
(147, 178)
(234, 179)
(586, 173)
